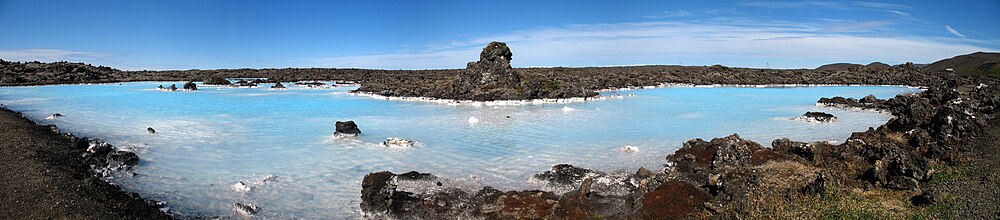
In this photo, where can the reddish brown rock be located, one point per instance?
(674, 200)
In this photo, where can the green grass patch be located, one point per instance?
(846, 203)
(944, 173)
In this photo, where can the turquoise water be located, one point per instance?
(212, 138)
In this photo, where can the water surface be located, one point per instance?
(209, 139)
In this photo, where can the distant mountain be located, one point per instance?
(974, 63)
(876, 66)
(839, 67)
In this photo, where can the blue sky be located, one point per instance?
(446, 34)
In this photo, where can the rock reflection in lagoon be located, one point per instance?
(280, 143)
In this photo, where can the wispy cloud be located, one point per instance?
(798, 4)
(895, 9)
(857, 26)
(51, 55)
(782, 44)
(953, 31)
(670, 14)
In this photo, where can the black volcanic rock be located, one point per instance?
(817, 117)
(190, 86)
(493, 66)
(347, 128)
(867, 102)
(564, 174)
(278, 85)
(216, 80)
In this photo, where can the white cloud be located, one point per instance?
(953, 31)
(784, 45)
(50, 55)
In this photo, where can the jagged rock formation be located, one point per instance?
(493, 67)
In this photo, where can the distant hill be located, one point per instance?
(876, 66)
(31, 73)
(978, 63)
(839, 67)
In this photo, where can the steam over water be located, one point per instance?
(280, 143)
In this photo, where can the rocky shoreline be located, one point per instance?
(48, 174)
(727, 177)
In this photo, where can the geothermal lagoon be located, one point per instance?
(280, 143)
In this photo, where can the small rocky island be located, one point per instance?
(489, 79)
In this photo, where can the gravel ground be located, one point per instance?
(977, 188)
(42, 177)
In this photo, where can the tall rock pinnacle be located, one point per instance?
(494, 66)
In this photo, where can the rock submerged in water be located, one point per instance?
(564, 174)
(245, 209)
(241, 187)
(278, 85)
(53, 116)
(244, 84)
(190, 86)
(122, 160)
(867, 102)
(817, 117)
(398, 143)
(217, 80)
(629, 149)
(347, 128)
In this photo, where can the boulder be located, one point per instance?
(565, 174)
(347, 128)
(151, 130)
(189, 85)
(245, 209)
(376, 192)
(398, 143)
(278, 85)
(54, 116)
(927, 197)
(244, 83)
(217, 80)
(817, 117)
(122, 160)
(784, 145)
